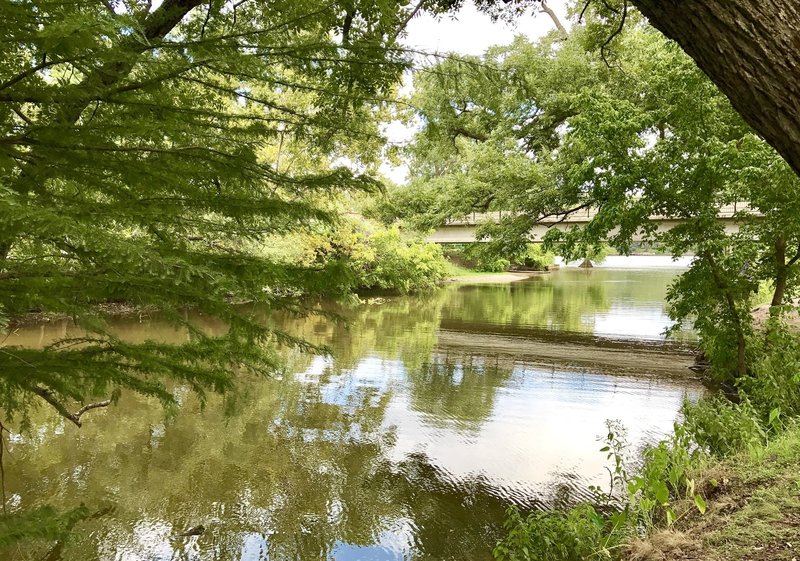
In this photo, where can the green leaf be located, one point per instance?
(670, 517)
(700, 503)
(661, 493)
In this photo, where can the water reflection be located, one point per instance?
(434, 414)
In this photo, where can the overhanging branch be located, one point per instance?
(48, 396)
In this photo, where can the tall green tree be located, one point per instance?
(551, 128)
(140, 157)
(748, 48)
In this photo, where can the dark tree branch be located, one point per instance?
(31, 71)
(405, 21)
(208, 17)
(794, 258)
(565, 214)
(75, 418)
(616, 32)
(461, 131)
(583, 11)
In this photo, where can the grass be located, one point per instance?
(753, 511)
(454, 270)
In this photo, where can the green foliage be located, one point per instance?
(493, 257)
(665, 477)
(723, 427)
(537, 258)
(147, 155)
(376, 257)
(554, 536)
(43, 523)
(548, 129)
(486, 259)
(401, 264)
(774, 383)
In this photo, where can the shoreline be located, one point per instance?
(486, 278)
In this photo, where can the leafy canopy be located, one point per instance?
(141, 163)
(546, 129)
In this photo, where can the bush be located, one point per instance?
(537, 258)
(722, 427)
(376, 257)
(491, 258)
(774, 384)
(400, 264)
(580, 533)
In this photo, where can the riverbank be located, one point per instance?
(477, 277)
(753, 510)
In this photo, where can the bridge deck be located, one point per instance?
(463, 231)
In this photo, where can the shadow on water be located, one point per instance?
(434, 414)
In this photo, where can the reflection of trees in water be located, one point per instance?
(565, 300)
(401, 328)
(294, 468)
(457, 390)
(528, 304)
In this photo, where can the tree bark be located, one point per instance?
(751, 50)
(781, 272)
(545, 9)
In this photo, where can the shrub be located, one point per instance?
(774, 383)
(580, 533)
(400, 264)
(722, 427)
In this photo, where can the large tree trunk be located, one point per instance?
(751, 50)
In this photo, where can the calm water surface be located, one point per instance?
(434, 414)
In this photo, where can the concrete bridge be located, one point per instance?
(463, 231)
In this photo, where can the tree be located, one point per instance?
(136, 167)
(748, 48)
(648, 135)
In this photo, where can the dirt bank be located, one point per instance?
(753, 511)
(483, 278)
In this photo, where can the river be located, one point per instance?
(434, 413)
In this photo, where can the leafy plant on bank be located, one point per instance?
(375, 257)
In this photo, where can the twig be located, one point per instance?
(208, 16)
(583, 11)
(407, 19)
(47, 395)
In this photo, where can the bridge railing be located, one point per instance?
(585, 215)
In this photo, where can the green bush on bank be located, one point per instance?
(399, 264)
(489, 258)
(377, 257)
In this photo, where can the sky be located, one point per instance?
(470, 32)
